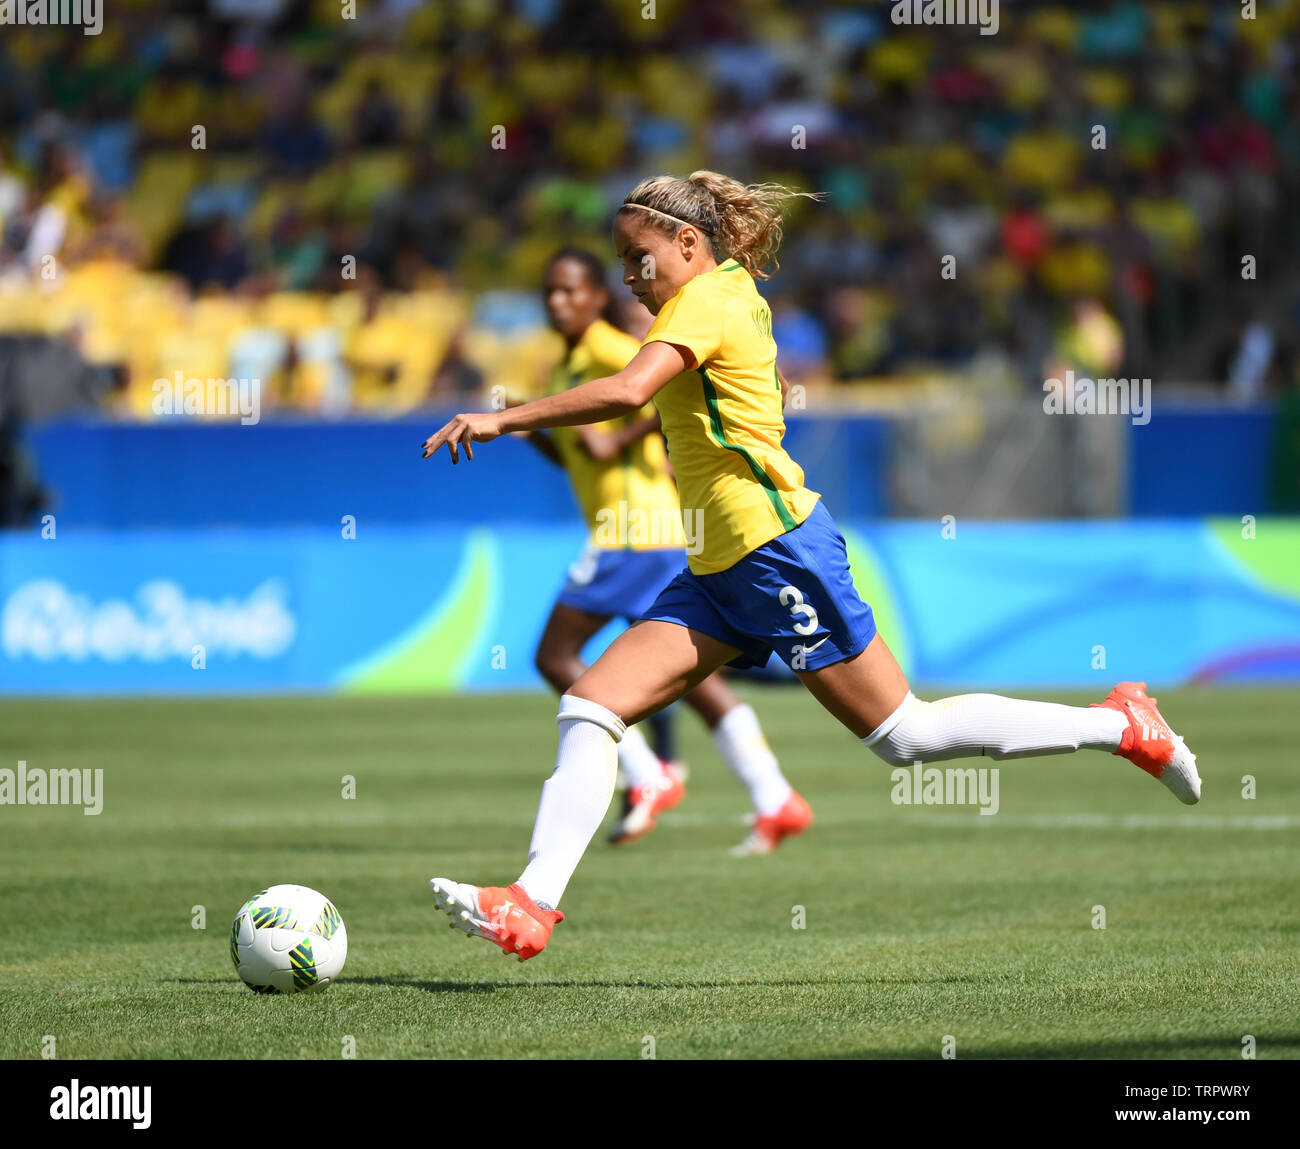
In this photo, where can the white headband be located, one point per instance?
(675, 219)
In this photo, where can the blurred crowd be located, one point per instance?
(358, 211)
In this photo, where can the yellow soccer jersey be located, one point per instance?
(723, 420)
(629, 502)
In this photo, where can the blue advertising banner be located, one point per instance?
(429, 609)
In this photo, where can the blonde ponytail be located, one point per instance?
(742, 221)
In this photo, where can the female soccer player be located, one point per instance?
(620, 476)
(772, 575)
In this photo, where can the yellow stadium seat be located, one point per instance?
(370, 176)
(1170, 223)
(671, 87)
(1057, 27)
(1076, 268)
(219, 316)
(293, 313)
(1107, 88)
(156, 202)
(902, 59)
(1084, 207)
(1045, 160)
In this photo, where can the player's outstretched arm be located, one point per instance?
(652, 368)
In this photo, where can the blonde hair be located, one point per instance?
(742, 221)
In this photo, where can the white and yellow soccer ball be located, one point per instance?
(288, 939)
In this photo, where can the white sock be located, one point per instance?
(574, 798)
(640, 764)
(970, 725)
(740, 741)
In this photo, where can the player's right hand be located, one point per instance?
(464, 431)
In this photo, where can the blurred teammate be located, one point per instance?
(620, 476)
(773, 574)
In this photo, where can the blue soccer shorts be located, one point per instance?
(793, 596)
(620, 583)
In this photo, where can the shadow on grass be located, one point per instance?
(1215, 1047)
(573, 983)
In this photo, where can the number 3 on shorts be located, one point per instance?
(792, 597)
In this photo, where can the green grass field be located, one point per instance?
(920, 923)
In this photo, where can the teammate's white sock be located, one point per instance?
(574, 798)
(641, 766)
(970, 725)
(740, 741)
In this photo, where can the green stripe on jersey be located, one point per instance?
(720, 437)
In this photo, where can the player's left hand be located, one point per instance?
(464, 431)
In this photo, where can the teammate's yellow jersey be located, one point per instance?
(629, 502)
(723, 421)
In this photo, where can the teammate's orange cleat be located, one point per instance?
(505, 916)
(770, 830)
(1150, 743)
(671, 791)
(643, 803)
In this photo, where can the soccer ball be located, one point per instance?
(288, 939)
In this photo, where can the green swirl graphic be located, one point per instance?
(874, 587)
(432, 655)
(1272, 555)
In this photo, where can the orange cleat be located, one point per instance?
(770, 830)
(1150, 743)
(641, 805)
(507, 916)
